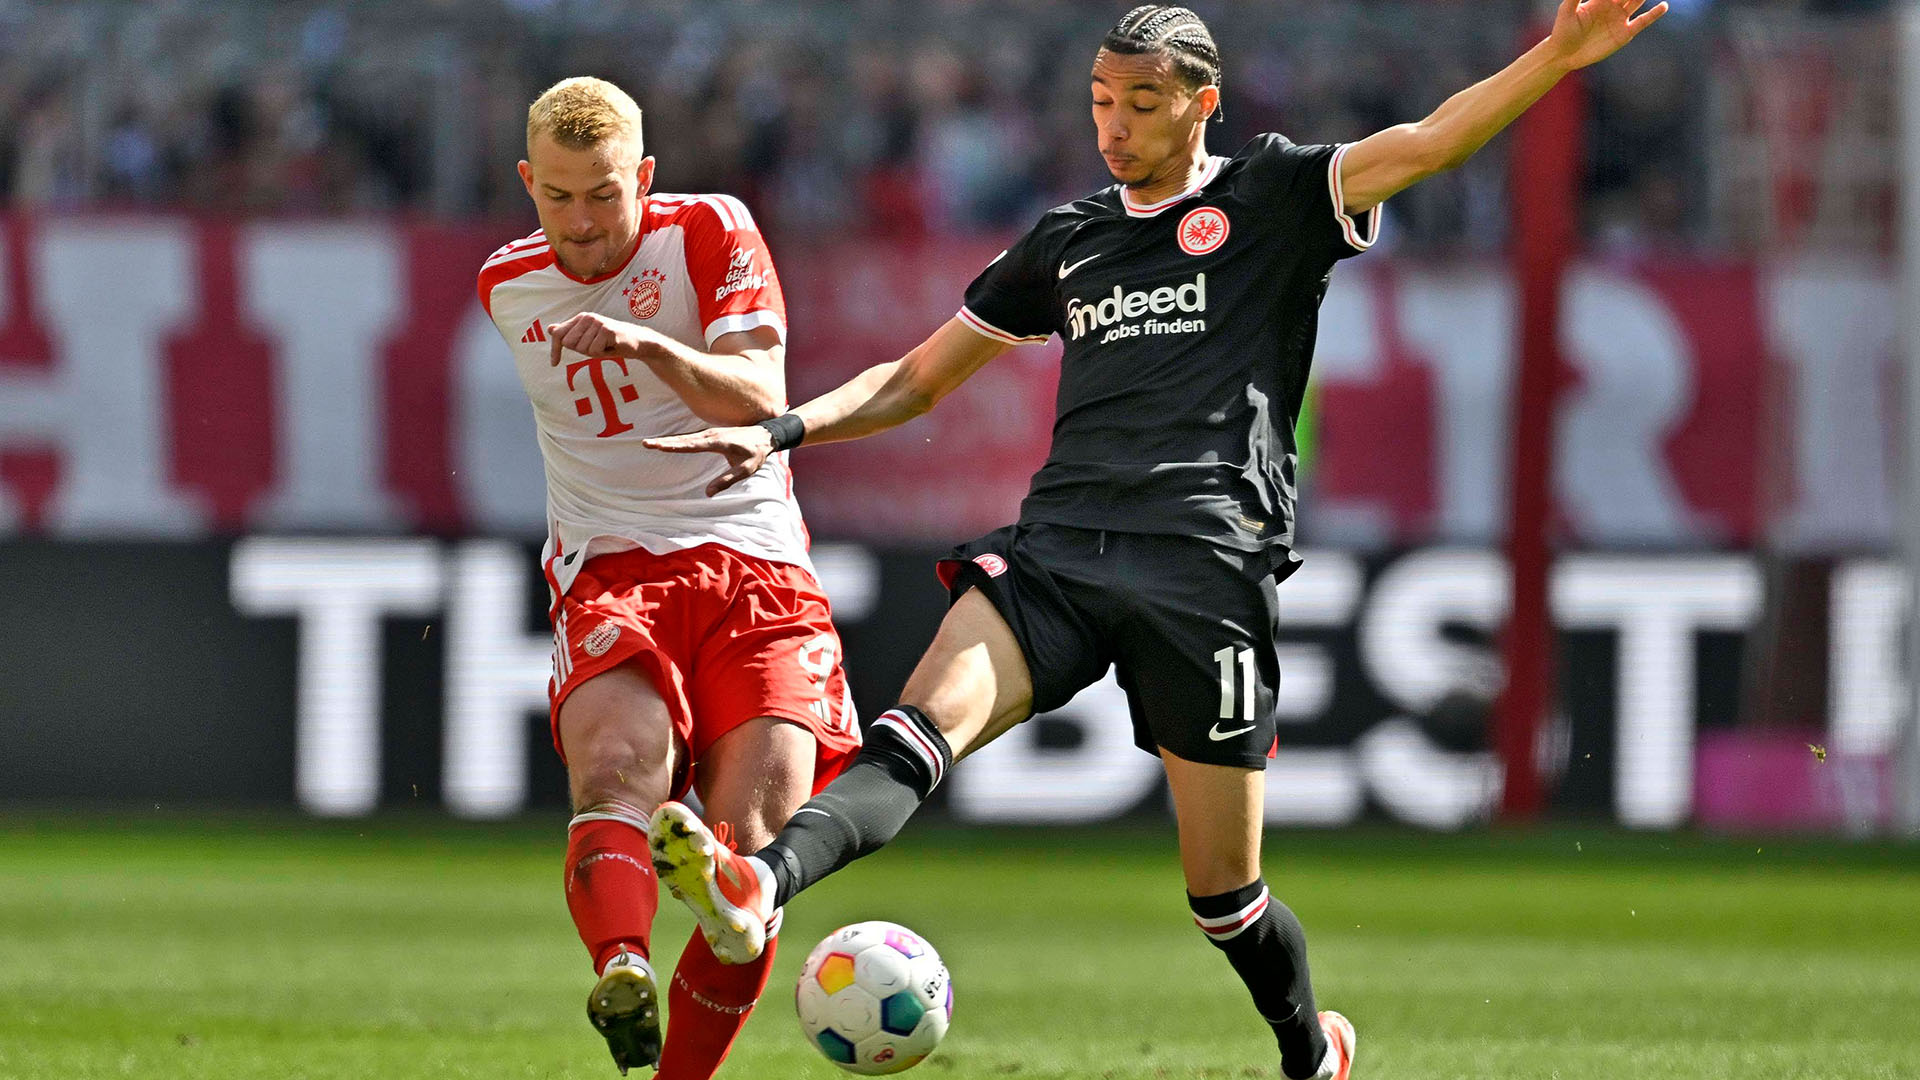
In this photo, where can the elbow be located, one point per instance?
(764, 406)
(912, 401)
(757, 404)
(739, 414)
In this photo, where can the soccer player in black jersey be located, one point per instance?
(1153, 538)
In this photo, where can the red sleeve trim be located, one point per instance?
(986, 329)
(1349, 228)
(508, 263)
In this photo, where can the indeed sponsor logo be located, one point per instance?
(1084, 318)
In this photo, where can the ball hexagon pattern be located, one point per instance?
(874, 998)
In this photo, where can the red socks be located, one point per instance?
(612, 894)
(706, 1007)
(611, 891)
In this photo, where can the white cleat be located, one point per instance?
(625, 1009)
(721, 887)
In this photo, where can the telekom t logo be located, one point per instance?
(609, 409)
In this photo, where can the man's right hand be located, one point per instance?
(745, 448)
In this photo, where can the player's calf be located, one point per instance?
(710, 1002)
(904, 759)
(1268, 950)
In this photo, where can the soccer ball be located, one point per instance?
(874, 998)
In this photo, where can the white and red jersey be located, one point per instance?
(700, 269)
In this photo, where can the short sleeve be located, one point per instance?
(1014, 299)
(732, 270)
(1303, 183)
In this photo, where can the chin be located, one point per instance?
(586, 264)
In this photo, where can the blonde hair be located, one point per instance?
(583, 112)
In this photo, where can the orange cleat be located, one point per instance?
(1341, 1041)
(722, 888)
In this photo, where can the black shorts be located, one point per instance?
(1190, 626)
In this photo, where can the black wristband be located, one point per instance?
(787, 430)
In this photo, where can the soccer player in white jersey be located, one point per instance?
(692, 646)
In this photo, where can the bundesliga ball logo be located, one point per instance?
(1203, 230)
(643, 294)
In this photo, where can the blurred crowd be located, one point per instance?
(827, 116)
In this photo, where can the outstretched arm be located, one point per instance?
(1388, 162)
(883, 396)
(740, 380)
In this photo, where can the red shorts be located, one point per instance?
(725, 637)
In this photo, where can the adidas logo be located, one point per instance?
(534, 333)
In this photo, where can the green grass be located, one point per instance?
(404, 948)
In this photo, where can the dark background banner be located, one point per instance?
(346, 675)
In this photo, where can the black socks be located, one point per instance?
(903, 760)
(1268, 949)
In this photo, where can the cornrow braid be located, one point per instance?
(1174, 32)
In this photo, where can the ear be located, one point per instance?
(1208, 98)
(644, 178)
(526, 177)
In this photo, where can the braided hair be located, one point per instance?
(1173, 32)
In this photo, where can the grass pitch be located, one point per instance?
(401, 948)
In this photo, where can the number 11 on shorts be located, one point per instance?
(1226, 658)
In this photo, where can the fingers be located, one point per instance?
(556, 332)
(1648, 17)
(584, 333)
(727, 479)
(698, 442)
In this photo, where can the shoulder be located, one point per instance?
(1279, 168)
(1265, 152)
(1271, 150)
(1055, 226)
(701, 214)
(510, 261)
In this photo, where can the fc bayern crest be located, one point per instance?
(1203, 230)
(643, 294)
(600, 639)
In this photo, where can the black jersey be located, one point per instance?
(1189, 326)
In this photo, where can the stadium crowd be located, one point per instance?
(826, 116)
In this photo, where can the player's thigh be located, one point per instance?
(1197, 648)
(617, 734)
(1219, 809)
(755, 776)
(973, 680)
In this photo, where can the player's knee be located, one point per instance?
(1211, 871)
(608, 763)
